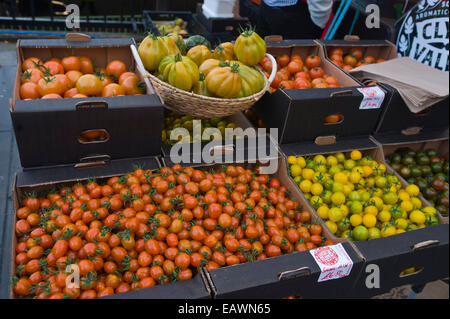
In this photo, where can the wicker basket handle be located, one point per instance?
(140, 66)
(274, 67)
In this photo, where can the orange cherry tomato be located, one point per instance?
(79, 95)
(369, 59)
(65, 82)
(331, 80)
(86, 66)
(133, 86)
(337, 51)
(49, 85)
(347, 68)
(357, 53)
(29, 90)
(301, 83)
(71, 63)
(31, 75)
(303, 75)
(53, 67)
(316, 72)
(350, 60)
(73, 77)
(283, 60)
(52, 96)
(116, 68)
(295, 66)
(113, 89)
(89, 84)
(31, 63)
(287, 85)
(124, 75)
(313, 61)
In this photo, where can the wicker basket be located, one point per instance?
(203, 106)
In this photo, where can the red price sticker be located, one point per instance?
(333, 261)
(373, 97)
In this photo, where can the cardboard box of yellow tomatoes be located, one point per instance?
(349, 185)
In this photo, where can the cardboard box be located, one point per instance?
(394, 250)
(418, 142)
(290, 274)
(299, 114)
(251, 139)
(48, 131)
(379, 49)
(154, 18)
(425, 249)
(46, 179)
(397, 118)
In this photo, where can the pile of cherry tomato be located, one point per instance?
(147, 228)
(294, 73)
(75, 77)
(352, 59)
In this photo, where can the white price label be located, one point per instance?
(373, 97)
(333, 261)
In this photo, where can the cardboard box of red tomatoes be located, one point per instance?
(298, 273)
(320, 272)
(352, 52)
(327, 101)
(386, 258)
(40, 182)
(112, 124)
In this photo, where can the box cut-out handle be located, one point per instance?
(296, 273)
(351, 38)
(425, 244)
(93, 161)
(325, 140)
(77, 37)
(341, 93)
(412, 130)
(221, 150)
(273, 38)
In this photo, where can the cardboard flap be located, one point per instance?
(188, 289)
(64, 173)
(340, 145)
(423, 135)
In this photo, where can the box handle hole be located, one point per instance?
(412, 130)
(273, 38)
(341, 93)
(333, 119)
(221, 150)
(94, 136)
(296, 273)
(93, 161)
(325, 140)
(425, 244)
(411, 271)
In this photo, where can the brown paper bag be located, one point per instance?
(419, 85)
